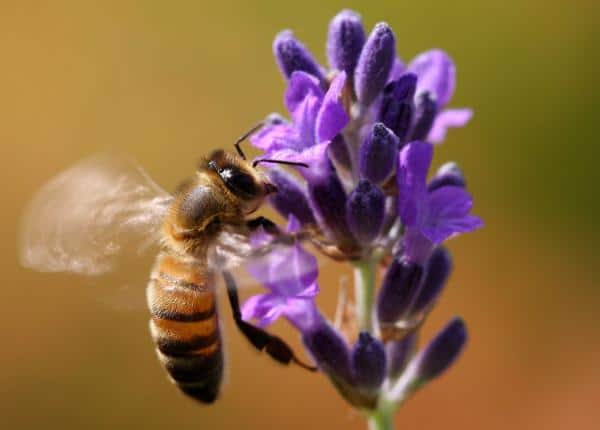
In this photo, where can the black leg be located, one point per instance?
(261, 339)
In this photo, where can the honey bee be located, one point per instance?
(89, 216)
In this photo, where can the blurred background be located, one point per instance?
(166, 83)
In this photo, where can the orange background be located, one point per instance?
(168, 82)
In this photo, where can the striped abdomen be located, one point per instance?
(185, 327)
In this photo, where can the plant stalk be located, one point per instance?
(381, 419)
(364, 293)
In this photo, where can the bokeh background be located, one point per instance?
(168, 81)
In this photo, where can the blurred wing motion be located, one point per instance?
(86, 217)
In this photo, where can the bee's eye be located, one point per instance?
(240, 183)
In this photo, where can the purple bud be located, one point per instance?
(329, 350)
(339, 152)
(292, 56)
(328, 199)
(377, 154)
(437, 271)
(399, 353)
(368, 362)
(449, 174)
(441, 351)
(365, 210)
(291, 197)
(345, 41)
(400, 284)
(374, 63)
(425, 113)
(397, 107)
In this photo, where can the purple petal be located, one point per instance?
(265, 308)
(315, 156)
(301, 85)
(305, 118)
(446, 119)
(287, 270)
(276, 137)
(448, 214)
(437, 75)
(414, 161)
(332, 117)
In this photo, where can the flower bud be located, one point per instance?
(449, 174)
(425, 113)
(374, 64)
(437, 271)
(399, 353)
(368, 362)
(328, 199)
(329, 350)
(365, 210)
(377, 154)
(292, 56)
(291, 198)
(398, 289)
(441, 351)
(397, 107)
(345, 41)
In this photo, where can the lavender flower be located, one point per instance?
(291, 276)
(430, 217)
(366, 129)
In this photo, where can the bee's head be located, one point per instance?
(242, 179)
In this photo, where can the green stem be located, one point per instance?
(381, 419)
(364, 292)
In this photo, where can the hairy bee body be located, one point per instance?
(185, 326)
(181, 291)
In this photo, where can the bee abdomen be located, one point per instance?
(185, 328)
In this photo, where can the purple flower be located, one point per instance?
(290, 275)
(317, 118)
(430, 217)
(436, 75)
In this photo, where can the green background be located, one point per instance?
(168, 81)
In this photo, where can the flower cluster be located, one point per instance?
(366, 128)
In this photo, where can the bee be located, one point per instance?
(89, 216)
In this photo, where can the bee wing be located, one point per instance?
(83, 219)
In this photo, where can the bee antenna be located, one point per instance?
(289, 163)
(245, 136)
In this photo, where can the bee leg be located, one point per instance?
(269, 226)
(258, 337)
